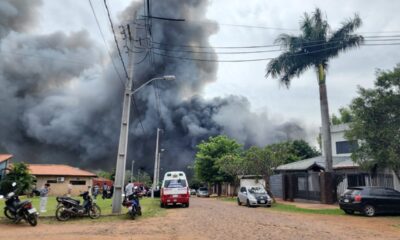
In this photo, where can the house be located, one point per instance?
(5, 160)
(302, 179)
(59, 176)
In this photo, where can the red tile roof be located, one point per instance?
(58, 170)
(5, 157)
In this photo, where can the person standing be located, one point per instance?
(95, 191)
(69, 192)
(44, 192)
(105, 187)
(129, 189)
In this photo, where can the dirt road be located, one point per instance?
(215, 219)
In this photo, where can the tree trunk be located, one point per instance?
(326, 130)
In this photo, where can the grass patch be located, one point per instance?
(150, 208)
(291, 208)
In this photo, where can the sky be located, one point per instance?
(300, 102)
(264, 21)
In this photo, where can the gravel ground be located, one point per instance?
(215, 219)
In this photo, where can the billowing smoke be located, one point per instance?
(60, 100)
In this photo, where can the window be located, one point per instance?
(355, 180)
(179, 183)
(51, 181)
(77, 182)
(378, 191)
(346, 147)
(243, 189)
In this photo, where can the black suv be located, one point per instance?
(370, 200)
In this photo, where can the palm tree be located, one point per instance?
(312, 49)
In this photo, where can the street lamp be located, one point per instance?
(166, 78)
(123, 138)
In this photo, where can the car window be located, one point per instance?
(378, 192)
(243, 189)
(175, 183)
(392, 192)
(256, 190)
(203, 189)
(352, 192)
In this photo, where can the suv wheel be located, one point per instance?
(248, 203)
(369, 210)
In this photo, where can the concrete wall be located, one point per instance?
(61, 188)
(337, 135)
(252, 182)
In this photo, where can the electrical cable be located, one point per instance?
(257, 59)
(105, 43)
(115, 39)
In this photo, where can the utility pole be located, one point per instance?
(159, 166)
(123, 137)
(133, 162)
(155, 164)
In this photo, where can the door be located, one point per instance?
(242, 195)
(382, 202)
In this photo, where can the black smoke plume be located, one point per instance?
(58, 111)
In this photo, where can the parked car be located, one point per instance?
(254, 196)
(370, 200)
(193, 191)
(203, 192)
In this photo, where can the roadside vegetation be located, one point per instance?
(221, 159)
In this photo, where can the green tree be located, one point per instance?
(345, 116)
(208, 152)
(105, 174)
(303, 150)
(20, 174)
(145, 178)
(376, 122)
(313, 48)
(231, 166)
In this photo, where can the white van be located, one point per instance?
(174, 189)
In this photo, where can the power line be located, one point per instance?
(115, 39)
(137, 110)
(260, 46)
(105, 43)
(257, 59)
(262, 51)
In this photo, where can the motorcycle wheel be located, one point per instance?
(9, 214)
(32, 219)
(94, 212)
(61, 214)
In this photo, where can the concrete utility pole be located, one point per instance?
(159, 165)
(155, 165)
(123, 137)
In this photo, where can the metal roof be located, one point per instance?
(338, 162)
(5, 157)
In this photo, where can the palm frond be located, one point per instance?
(343, 39)
(347, 29)
(288, 65)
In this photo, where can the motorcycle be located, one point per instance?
(68, 207)
(17, 210)
(133, 205)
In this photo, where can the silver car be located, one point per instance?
(203, 192)
(254, 196)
